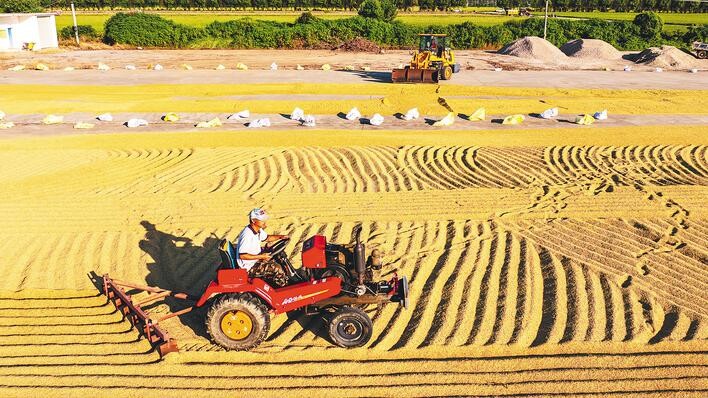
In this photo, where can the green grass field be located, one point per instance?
(672, 21)
(669, 18)
(198, 19)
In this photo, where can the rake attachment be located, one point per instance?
(140, 318)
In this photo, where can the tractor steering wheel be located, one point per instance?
(278, 247)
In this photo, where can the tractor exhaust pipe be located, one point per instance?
(359, 258)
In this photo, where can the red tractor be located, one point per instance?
(336, 280)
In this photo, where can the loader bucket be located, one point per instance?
(409, 75)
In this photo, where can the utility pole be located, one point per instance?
(545, 22)
(76, 27)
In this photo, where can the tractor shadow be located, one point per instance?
(180, 265)
(316, 324)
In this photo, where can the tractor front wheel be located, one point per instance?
(350, 327)
(238, 322)
(447, 72)
(702, 54)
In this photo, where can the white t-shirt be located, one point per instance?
(249, 242)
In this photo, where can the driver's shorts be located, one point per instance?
(270, 271)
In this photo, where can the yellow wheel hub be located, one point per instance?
(236, 325)
(448, 73)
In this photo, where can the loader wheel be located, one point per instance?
(238, 322)
(447, 73)
(350, 327)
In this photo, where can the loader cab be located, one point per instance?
(434, 43)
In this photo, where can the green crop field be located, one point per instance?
(669, 18)
(448, 19)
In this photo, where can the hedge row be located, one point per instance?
(151, 30)
(86, 32)
(148, 30)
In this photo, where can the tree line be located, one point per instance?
(376, 22)
(428, 5)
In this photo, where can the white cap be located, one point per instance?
(258, 214)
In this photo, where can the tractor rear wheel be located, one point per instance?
(350, 327)
(238, 322)
(447, 72)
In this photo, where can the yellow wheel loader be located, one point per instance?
(433, 62)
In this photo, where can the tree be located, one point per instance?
(561, 5)
(426, 4)
(650, 25)
(408, 4)
(21, 6)
(371, 9)
(663, 5)
(604, 5)
(442, 5)
(648, 5)
(388, 10)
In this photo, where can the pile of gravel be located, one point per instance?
(591, 49)
(666, 57)
(534, 48)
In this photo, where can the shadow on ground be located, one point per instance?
(180, 265)
(372, 76)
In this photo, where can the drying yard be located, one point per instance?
(545, 258)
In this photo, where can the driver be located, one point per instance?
(248, 250)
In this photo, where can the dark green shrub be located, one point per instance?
(650, 25)
(384, 10)
(496, 36)
(371, 9)
(86, 32)
(309, 31)
(626, 37)
(464, 35)
(249, 33)
(555, 32)
(695, 33)
(306, 17)
(148, 30)
(404, 35)
(182, 35)
(388, 10)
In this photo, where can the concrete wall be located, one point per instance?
(47, 31)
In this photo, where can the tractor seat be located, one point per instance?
(228, 255)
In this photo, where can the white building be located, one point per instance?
(17, 30)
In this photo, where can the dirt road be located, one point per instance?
(551, 79)
(262, 58)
